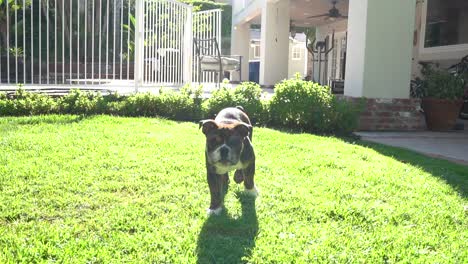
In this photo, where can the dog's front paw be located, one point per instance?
(216, 211)
(238, 176)
(252, 192)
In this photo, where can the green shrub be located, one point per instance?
(220, 98)
(81, 102)
(183, 105)
(247, 94)
(301, 105)
(296, 104)
(142, 104)
(344, 115)
(26, 103)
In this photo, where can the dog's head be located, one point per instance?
(224, 142)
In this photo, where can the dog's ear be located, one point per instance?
(243, 129)
(207, 125)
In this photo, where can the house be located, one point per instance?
(298, 55)
(377, 46)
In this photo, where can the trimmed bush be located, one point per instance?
(220, 98)
(184, 105)
(25, 103)
(142, 104)
(344, 115)
(301, 105)
(248, 95)
(80, 102)
(297, 104)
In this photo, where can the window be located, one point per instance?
(257, 51)
(334, 65)
(343, 58)
(296, 53)
(446, 23)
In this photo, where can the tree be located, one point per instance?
(12, 7)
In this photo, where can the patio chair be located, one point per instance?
(209, 62)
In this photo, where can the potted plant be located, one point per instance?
(442, 94)
(461, 69)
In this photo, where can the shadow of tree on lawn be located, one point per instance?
(224, 239)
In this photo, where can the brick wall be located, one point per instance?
(391, 115)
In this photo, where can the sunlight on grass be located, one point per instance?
(106, 189)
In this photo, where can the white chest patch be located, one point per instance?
(221, 169)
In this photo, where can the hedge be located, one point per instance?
(296, 104)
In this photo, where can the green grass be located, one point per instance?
(112, 190)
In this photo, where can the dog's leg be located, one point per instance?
(225, 184)
(249, 184)
(215, 182)
(239, 176)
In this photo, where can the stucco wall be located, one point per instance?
(294, 66)
(297, 66)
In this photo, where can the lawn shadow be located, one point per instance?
(10, 124)
(224, 239)
(44, 119)
(455, 175)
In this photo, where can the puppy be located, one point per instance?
(228, 147)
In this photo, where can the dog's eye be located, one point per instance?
(217, 140)
(233, 140)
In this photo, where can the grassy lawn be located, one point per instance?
(110, 190)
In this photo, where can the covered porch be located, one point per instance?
(350, 34)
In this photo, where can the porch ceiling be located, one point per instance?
(301, 10)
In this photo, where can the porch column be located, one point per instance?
(379, 52)
(240, 45)
(274, 44)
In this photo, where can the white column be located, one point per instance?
(379, 52)
(240, 44)
(274, 49)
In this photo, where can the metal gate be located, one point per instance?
(167, 42)
(206, 25)
(101, 43)
(77, 43)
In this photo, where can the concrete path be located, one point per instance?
(451, 146)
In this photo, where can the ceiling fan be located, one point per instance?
(333, 13)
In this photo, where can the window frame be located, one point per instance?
(296, 50)
(422, 37)
(255, 55)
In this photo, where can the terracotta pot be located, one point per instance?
(441, 114)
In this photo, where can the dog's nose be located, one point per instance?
(224, 152)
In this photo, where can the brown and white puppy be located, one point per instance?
(228, 147)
